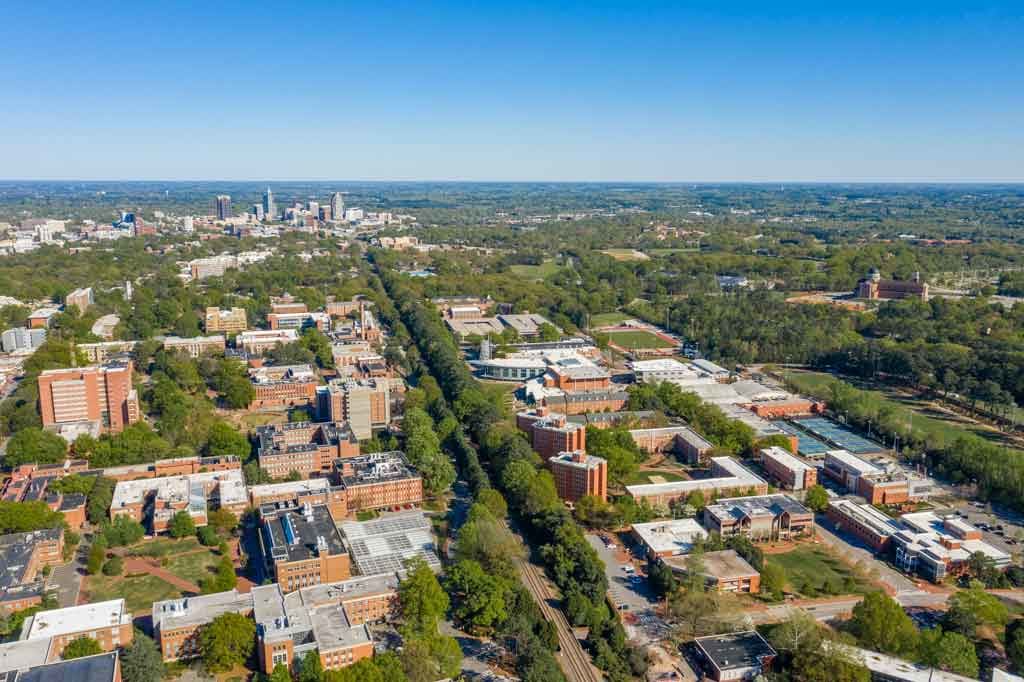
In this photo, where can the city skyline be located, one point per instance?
(518, 92)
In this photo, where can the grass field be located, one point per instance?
(643, 477)
(545, 269)
(943, 427)
(626, 254)
(637, 339)
(669, 252)
(813, 571)
(193, 567)
(164, 547)
(138, 591)
(608, 319)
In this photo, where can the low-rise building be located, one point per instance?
(309, 448)
(23, 556)
(463, 328)
(41, 318)
(935, 547)
(385, 544)
(661, 369)
(259, 342)
(786, 469)
(302, 545)
(735, 656)
(176, 622)
(107, 622)
(105, 667)
(153, 502)
(864, 522)
(583, 402)
(195, 346)
(683, 441)
(225, 320)
(878, 485)
(578, 474)
(551, 433)
(22, 338)
(314, 491)
(668, 538)
(380, 480)
(301, 320)
(526, 325)
(104, 350)
(764, 518)
(283, 386)
(724, 571)
(728, 476)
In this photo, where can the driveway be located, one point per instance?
(640, 618)
(66, 580)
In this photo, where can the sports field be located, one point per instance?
(637, 338)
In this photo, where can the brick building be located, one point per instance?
(283, 386)
(578, 474)
(302, 545)
(195, 346)
(364, 404)
(787, 470)
(225, 320)
(724, 571)
(875, 288)
(314, 491)
(864, 522)
(177, 622)
(22, 559)
(98, 393)
(551, 433)
(878, 485)
(107, 622)
(306, 447)
(764, 518)
(80, 298)
(728, 477)
(153, 502)
(381, 480)
(299, 320)
(582, 402)
(259, 342)
(681, 440)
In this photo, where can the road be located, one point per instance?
(574, 661)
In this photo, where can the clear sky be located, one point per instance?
(557, 90)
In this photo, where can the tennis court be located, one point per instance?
(838, 434)
(807, 445)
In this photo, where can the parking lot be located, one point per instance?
(998, 529)
(630, 592)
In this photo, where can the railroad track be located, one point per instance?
(575, 662)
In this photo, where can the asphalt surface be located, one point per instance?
(639, 600)
(66, 580)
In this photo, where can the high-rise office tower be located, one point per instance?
(223, 207)
(337, 206)
(269, 210)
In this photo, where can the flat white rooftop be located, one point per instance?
(732, 475)
(76, 619)
(676, 536)
(785, 458)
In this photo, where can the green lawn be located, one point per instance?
(626, 254)
(367, 515)
(194, 566)
(643, 477)
(813, 571)
(669, 252)
(545, 269)
(164, 547)
(944, 428)
(139, 592)
(638, 339)
(608, 319)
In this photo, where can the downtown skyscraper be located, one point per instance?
(223, 207)
(337, 206)
(269, 210)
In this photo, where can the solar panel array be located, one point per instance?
(384, 545)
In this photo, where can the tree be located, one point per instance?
(479, 597)
(182, 525)
(227, 641)
(141, 660)
(311, 669)
(225, 440)
(1015, 643)
(493, 500)
(879, 623)
(816, 498)
(97, 553)
(280, 673)
(975, 606)
(123, 531)
(225, 578)
(548, 332)
(80, 647)
(421, 601)
(21, 517)
(773, 580)
(207, 536)
(948, 651)
(114, 566)
(34, 445)
(222, 520)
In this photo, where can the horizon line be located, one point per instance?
(876, 181)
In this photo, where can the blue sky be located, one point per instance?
(513, 91)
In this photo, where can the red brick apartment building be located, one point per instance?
(788, 470)
(578, 474)
(22, 559)
(551, 433)
(306, 447)
(283, 386)
(381, 480)
(582, 402)
(98, 393)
